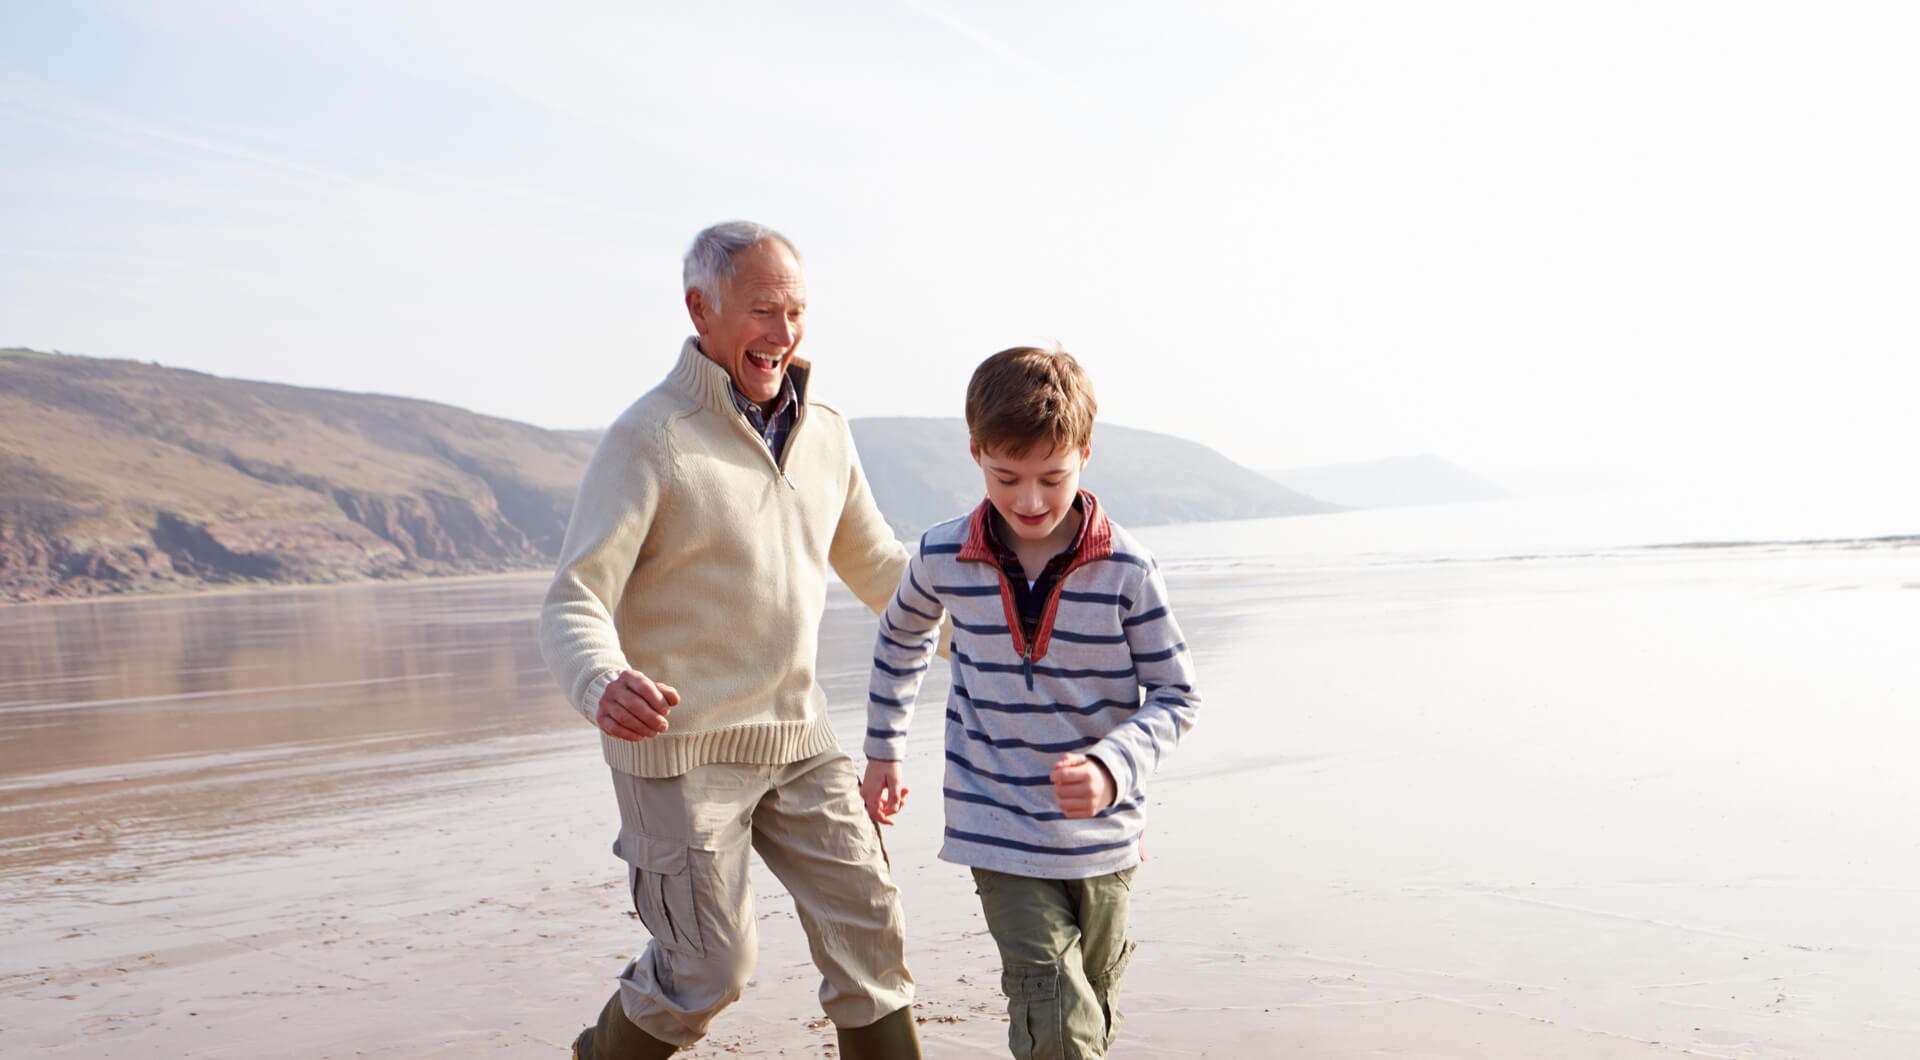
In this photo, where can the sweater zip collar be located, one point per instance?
(1096, 542)
(709, 385)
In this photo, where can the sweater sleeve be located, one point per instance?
(864, 552)
(909, 631)
(612, 513)
(1132, 752)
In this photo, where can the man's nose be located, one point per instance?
(781, 332)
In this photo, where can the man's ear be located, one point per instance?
(697, 309)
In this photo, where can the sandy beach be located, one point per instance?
(1645, 803)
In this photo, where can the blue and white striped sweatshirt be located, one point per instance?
(1107, 676)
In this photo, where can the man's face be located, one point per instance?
(757, 327)
(1034, 492)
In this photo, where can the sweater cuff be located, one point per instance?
(878, 749)
(595, 689)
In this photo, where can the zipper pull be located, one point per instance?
(789, 479)
(1029, 661)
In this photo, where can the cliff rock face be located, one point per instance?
(34, 564)
(119, 477)
(383, 537)
(432, 526)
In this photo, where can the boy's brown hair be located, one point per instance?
(1024, 397)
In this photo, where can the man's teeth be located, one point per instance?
(764, 362)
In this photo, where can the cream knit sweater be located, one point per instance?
(692, 558)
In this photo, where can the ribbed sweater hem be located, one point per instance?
(773, 743)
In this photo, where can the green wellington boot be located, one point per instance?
(891, 1037)
(616, 1038)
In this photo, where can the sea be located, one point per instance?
(1563, 525)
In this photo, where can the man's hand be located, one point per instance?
(1082, 786)
(634, 707)
(882, 791)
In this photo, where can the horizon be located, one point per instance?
(1644, 242)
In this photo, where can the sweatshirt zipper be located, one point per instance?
(1021, 646)
(1029, 650)
(780, 465)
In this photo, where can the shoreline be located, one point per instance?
(153, 590)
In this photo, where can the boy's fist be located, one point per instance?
(1082, 786)
(882, 790)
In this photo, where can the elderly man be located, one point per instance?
(684, 621)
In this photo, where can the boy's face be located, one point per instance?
(1034, 492)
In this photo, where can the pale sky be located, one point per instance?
(1533, 237)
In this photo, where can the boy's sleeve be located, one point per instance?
(909, 628)
(1165, 671)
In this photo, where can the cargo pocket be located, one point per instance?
(659, 873)
(1035, 1022)
(1106, 990)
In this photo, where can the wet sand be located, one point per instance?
(1653, 804)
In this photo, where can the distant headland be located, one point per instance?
(119, 476)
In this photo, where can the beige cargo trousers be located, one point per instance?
(685, 840)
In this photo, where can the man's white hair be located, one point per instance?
(709, 262)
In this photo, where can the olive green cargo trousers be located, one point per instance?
(1063, 948)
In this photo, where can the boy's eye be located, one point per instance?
(1006, 481)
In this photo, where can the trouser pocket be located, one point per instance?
(1106, 991)
(1036, 1023)
(660, 875)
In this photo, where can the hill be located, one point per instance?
(1390, 483)
(921, 473)
(117, 476)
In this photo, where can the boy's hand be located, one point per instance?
(882, 791)
(1082, 786)
(634, 706)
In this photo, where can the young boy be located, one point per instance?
(1070, 683)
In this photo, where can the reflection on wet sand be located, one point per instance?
(186, 719)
